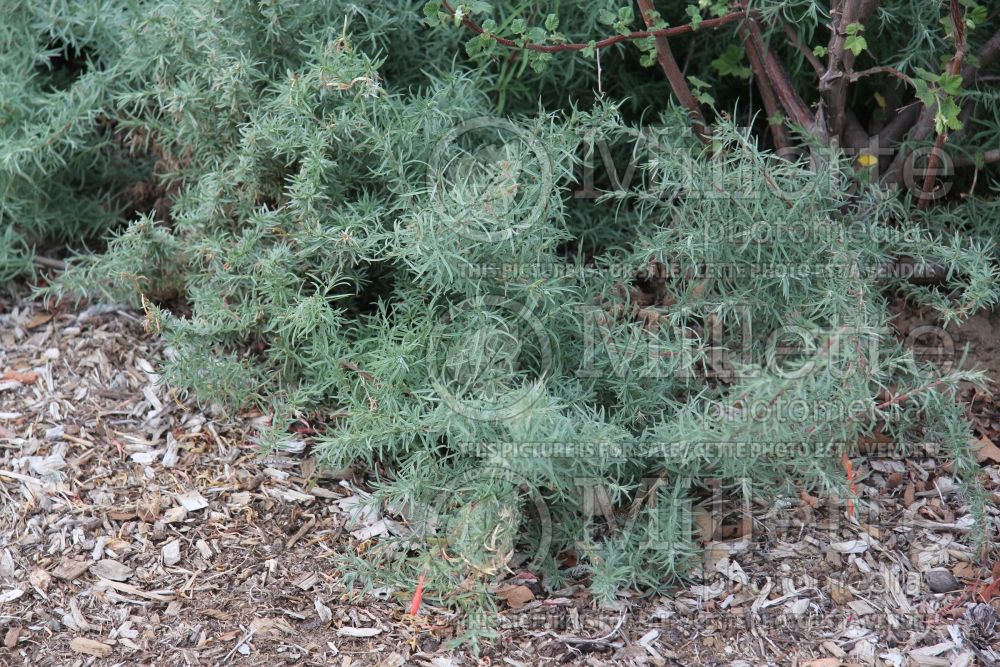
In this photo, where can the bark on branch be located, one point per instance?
(954, 68)
(674, 75)
(794, 107)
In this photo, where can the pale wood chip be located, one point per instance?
(90, 647)
(159, 596)
(111, 569)
(191, 500)
(358, 632)
(70, 569)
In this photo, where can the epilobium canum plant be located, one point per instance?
(538, 273)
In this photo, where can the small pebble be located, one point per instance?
(942, 581)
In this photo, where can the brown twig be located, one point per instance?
(602, 43)
(987, 55)
(49, 263)
(767, 95)
(832, 113)
(954, 68)
(793, 37)
(674, 75)
(854, 76)
(779, 79)
(924, 125)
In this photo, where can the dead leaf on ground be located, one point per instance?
(111, 569)
(964, 570)
(40, 579)
(810, 500)
(37, 320)
(706, 524)
(986, 451)
(841, 594)
(148, 508)
(191, 500)
(515, 596)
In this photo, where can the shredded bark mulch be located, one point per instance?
(137, 529)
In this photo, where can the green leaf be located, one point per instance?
(606, 17)
(924, 92)
(658, 22)
(540, 61)
(431, 11)
(536, 34)
(719, 9)
(730, 63)
(854, 29)
(855, 44)
(478, 46)
(551, 22)
(699, 90)
(518, 26)
(976, 17)
(695, 15)
(819, 51)
(945, 22)
(947, 116)
(951, 83)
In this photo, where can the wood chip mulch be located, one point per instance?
(139, 529)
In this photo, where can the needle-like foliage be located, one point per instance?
(501, 273)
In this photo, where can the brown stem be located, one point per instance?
(924, 125)
(854, 76)
(49, 263)
(793, 37)
(832, 113)
(954, 68)
(854, 134)
(782, 84)
(674, 75)
(903, 120)
(987, 55)
(778, 130)
(600, 44)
